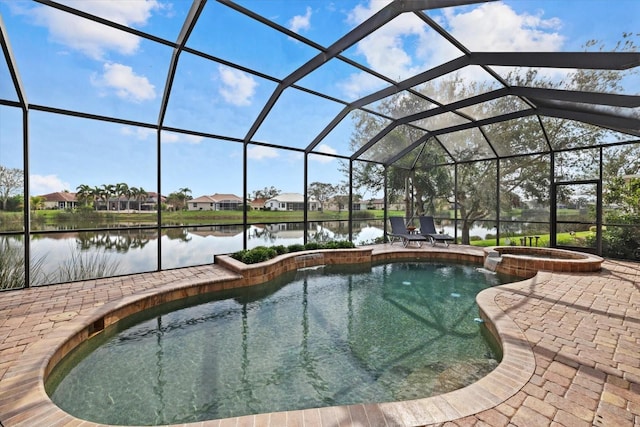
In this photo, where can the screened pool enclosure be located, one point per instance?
(149, 135)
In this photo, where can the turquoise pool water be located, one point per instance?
(335, 335)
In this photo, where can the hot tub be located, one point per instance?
(526, 261)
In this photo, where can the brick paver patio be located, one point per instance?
(573, 355)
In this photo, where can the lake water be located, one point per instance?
(71, 255)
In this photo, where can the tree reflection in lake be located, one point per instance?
(68, 255)
(118, 240)
(72, 256)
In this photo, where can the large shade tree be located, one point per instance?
(322, 192)
(11, 183)
(522, 144)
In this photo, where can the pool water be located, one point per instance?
(335, 335)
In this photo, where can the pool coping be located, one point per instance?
(526, 261)
(30, 405)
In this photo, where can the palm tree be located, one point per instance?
(84, 194)
(184, 196)
(142, 195)
(127, 194)
(121, 189)
(96, 193)
(106, 192)
(37, 202)
(133, 192)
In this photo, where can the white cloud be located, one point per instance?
(125, 82)
(193, 139)
(169, 137)
(323, 148)
(140, 133)
(179, 138)
(295, 157)
(91, 38)
(301, 22)
(406, 46)
(497, 27)
(360, 84)
(126, 12)
(259, 152)
(384, 50)
(361, 13)
(237, 87)
(45, 184)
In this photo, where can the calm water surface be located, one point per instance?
(329, 336)
(72, 255)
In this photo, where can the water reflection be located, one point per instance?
(77, 255)
(120, 241)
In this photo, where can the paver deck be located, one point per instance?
(572, 353)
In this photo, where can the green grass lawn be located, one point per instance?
(561, 239)
(188, 217)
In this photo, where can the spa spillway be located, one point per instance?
(526, 261)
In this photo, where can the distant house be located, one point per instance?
(216, 202)
(151, 203)
(60, 200)
(67, 200)
(379, 204)
(337, 203)
(290, 202)
(340, 203)
(258, 203)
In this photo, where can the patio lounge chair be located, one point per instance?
(399, 231)
(428, 230)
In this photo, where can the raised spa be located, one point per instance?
(334, 335)
(526, 261)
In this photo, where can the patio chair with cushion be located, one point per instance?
(400, 232)
(428, 230)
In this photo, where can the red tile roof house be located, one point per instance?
(216, 202)
(60, 200)
(259, 203)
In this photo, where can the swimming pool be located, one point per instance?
(330, 336)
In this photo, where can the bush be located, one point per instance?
(280, 249)
(621, 238)
(258, 254)
(340, 244)
(263, 253)
(239, 255)
(296, 247)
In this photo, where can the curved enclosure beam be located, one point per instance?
(582, 60)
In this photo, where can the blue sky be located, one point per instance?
(69, 63)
